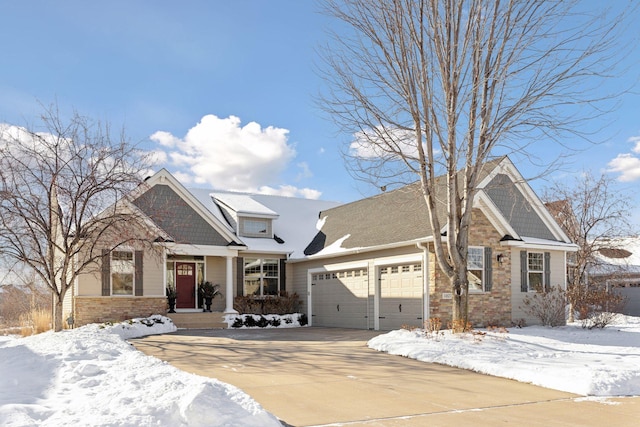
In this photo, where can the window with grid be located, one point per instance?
(475, 269)
(535, 271)
(122, 272)
(262, 276)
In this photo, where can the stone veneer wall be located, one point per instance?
(116, 309)
(485, 308)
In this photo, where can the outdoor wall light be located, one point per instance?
(499, 258)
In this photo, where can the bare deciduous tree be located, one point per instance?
(594, 214)
(438, 87)
(63, 197)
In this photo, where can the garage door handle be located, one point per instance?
(381, 317)
(400, 308)
(338, 307)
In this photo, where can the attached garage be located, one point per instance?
(401, 296)
(340, 299)
(383, 296)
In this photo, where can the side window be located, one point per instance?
(535, 271)
(122, 272)
(475, 269)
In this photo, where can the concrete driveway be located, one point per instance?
(327, 376)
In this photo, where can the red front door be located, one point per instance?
(186, 285)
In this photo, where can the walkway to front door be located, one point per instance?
(319, 376)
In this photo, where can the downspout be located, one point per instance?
(425, 283)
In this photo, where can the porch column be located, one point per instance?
(229, 288)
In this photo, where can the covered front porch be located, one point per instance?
(189, 266)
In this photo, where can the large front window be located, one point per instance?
(475, 269)
(122, 272)
(261, 276)
(535, 271)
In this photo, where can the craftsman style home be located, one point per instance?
(368, 264)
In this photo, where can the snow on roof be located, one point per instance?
(296, 224)
(294, 219)
(630, 244)
(243, 203)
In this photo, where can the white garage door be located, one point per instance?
(340, 299)
(401, 296)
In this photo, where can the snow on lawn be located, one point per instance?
(597, 362)
(92, 376)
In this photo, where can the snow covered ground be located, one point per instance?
(91, 376)
(597, 362)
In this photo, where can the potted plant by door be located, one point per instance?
(172, 295)
(208, 291)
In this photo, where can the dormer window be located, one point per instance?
(255, 227)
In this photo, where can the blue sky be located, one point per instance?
(224, 90)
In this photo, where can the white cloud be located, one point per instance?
(223, 154)
(305, 172)
(165, 139)
(383, 143)
(290, 191)
(627, 165)
(636, 141)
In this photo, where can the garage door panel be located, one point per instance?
(401, 293)
(340, 299)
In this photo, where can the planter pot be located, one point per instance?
(207, 304)
(172, 305)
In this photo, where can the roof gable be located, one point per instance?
(177, 218)
(516, 209)
(400, 215)
(174, 209)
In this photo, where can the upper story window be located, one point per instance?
(255, 227)
(475, 269)
(122, 272)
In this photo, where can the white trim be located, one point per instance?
(493, 214)
(507, 167)
(540, 244)
(398, 259)
(339, 266)
(362, 250)
(203, 250)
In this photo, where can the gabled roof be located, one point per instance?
(400, 216)
(183, 217)
(294, 219)
(197, 216)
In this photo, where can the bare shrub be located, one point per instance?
(600, 308)
(459, 326)
(35, 321)
(283, 304)
(548, 307)
(16, 302)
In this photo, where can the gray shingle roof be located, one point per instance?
(401, 215)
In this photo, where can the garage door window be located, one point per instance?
(261, 276)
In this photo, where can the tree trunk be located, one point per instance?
(57, 312)
(460, 290)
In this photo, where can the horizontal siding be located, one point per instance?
(558, 277)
